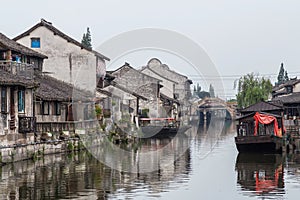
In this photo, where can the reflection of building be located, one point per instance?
(81, 175)
(260, 174)
(293, 168)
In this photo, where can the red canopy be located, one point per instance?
(265, 119)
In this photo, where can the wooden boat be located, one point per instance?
(259, 132)
(158, 127)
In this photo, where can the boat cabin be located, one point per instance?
(260, 132)
(259, 123)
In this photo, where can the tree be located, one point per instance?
(86, 39)
(199, 93)
(203, 94)
(286, 77)
(252, 89)
(211, 91)
(198, 88)
(282, 75)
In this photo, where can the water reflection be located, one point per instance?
(82, 176)
(142, 156)
(209, 169)
(293, 170)
(261, 175)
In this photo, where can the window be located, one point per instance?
(45, 108)
(289, 89)
(176, 96)
(35, 43)
(3, 100)
(56, 109)
(86, 112)
(21, 101)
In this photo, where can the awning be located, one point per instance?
(265, 119)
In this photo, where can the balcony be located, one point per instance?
(58, 127)
(21, 69)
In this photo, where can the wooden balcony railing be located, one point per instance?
(20, 69)
(58, 127)
(26, 124)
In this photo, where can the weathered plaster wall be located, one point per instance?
(181, 87)
(137, 82)
(168, 86)
(66, 61)
(296, 87)
(141, 84)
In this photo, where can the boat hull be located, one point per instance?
(163, 132)
(259, 144)
(158, 132)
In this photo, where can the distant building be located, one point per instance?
(168, 88)
(180, 86)
(142, 84)
(287, 88)
(288, 94)
(68, 60)
(124, 102)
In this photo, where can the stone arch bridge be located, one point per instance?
(216, 108)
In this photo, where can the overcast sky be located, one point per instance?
(240, 36)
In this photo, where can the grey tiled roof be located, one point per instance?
(15, 46)
(289, 98)
(262, 106)
(290, 82)
(6, 78)
(52, 89)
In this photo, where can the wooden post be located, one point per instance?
(137, 106)
(8, 55)
(204, 119)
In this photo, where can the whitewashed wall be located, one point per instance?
(296, 87)
(67, 61)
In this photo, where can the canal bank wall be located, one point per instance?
(293, 144)
(35, 150)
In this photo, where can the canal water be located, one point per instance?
(209, 168)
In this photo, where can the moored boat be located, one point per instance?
(260, 132)
(159, 127)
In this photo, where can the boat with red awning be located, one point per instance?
(260, 132)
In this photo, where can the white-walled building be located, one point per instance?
(68, 60)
